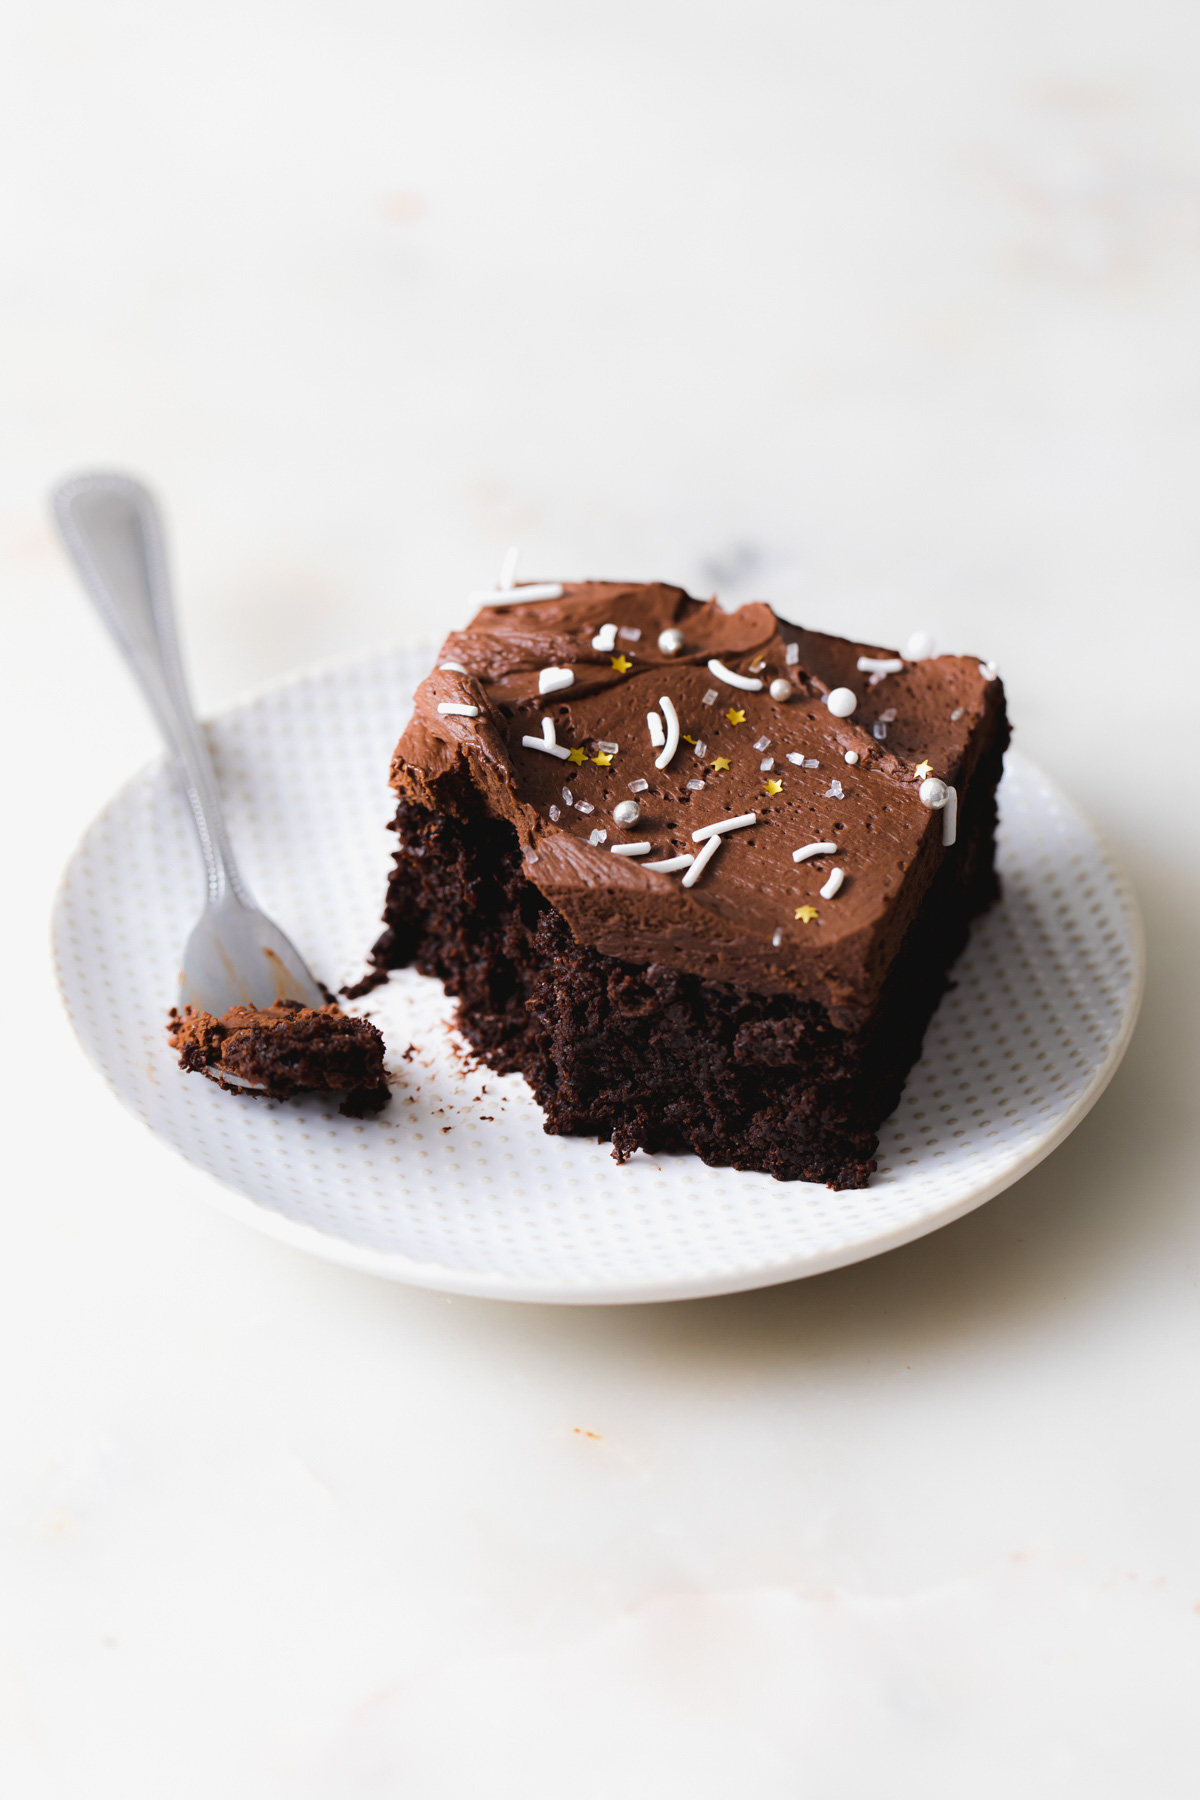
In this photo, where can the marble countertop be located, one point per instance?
(887, 315)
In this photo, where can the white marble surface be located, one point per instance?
(887, 313)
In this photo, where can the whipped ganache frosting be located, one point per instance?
(603, 675)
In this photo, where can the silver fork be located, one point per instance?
(113, 533)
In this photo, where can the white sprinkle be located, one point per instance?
(670, 641)
(955, 716)
(879, 730)
(539, 590)
(879, 665)
(626, 813)
(568, 796)
(777, 938)
(749, 684)
(762, 743)
(851, 756)
(723, 825)
(457, 667)
(584, 806)
(532, 743)
(670, 865)
(841, 702)
(599, 836)
(672, 743)
(875, 679)
(768, 762)
(695, 786)
(836, 878)
(655, 727)
(605, 638)
(950, 818)
(630, 632)
(639, 786)
(508, 568)
(933, 793)
(702, 861)
(988, 671)
(631, 849)
(780, 689)
(549, 734)
(794, 756)
(607, 747)
(700, 749)
(919, 646)
(551, 680)
(810, 762)
(531, 856)
(889, 717)
(555, 814)
(791, 655)
(807, 850)
(708, 698)
(452, 709)
(834, 791)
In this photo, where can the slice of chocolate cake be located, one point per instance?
(699, 876)
(273, 1052)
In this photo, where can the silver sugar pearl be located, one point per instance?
(933, 794)
(780, 689)
(841, 702)
(626, 812)
(670, 641)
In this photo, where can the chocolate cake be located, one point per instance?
(276, 1051)
(699, 876)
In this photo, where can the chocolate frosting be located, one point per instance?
(943, 711)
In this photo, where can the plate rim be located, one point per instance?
(480, 1284)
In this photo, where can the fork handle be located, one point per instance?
(112, 530)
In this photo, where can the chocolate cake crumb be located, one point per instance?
(285, 1049)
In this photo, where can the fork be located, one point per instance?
(112, 530)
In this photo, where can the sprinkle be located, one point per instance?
(695, 786)
(762, 743)
(772, 787)
(922, 770)
(604, 759)
(950, 818)
(686, 738)
(609, 748)
(452, 709)
(630, 849)
(933, 793)
(794, 756)
(630, 632)
(568, 796)
(672, 863)
(531, 856)
(719, 764)
(626, 813)
(599, 836)
(791, 655)
(777, 938)
(836, 878)
(749, 683)
(758, 665)
(834, 791)
(670, 642)
(701, 863)
(889, 717)
(708, 697)
(780, 689)
(988, 671)
(736, 716)
(875, 679)
(605, 638)
(578, 756)
(879, 730)
(551, 680)
(723, 825)
(955, 716)
(508, 568)
(841, 702)
(806, 914)
(919, 646)
(879, 665)
(539, 590)
(810, 762)
(807, 850)
(768, 762)
(622, 664)
(457, 668)
(584, 806)
(555, 814)
(851, 756)
(532, 743)
(654, 725)
(672, 743)
(700, 749)
(639, 786)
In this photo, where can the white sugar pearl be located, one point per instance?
(841, 703)
(852, 756)
(670, 642)
(919, 646)
(626, 812)
(933, 794)
(780, 689)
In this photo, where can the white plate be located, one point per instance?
(456, 1186)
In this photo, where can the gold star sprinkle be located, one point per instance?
(718, 763)
(736, 716)
(806, 913)
(922, 770)
(772, 787)
(603, 759)
(622, 664)
(577, 756)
